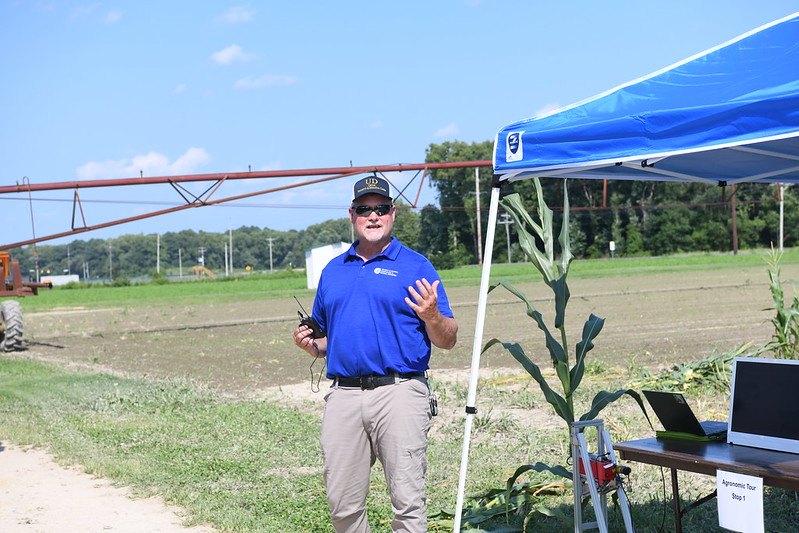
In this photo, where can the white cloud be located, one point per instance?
(236, 15)
(83, 11)
(193, 159)
(180, 88)
(45, 7)
(148, 165)
(375, 125)
(231, 54)
(267, 80)
(113, 16)
(450, 130)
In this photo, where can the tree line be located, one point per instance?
(619, 218)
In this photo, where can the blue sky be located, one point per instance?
(118, 89)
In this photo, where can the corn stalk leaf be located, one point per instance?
(543, 261)
(565, 240)
(562, 408)
(561, 290)
(547, 229)
(516, 292)
(605, 398)
(556, 513)
(591, 329)
(560, 361)
(558, 470)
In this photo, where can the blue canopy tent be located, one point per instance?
(730, 115)
(725, 116)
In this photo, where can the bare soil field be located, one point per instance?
(240, 349)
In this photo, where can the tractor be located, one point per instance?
(10, 310)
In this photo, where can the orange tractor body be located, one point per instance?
(10, 310)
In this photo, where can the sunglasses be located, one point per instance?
(366, 210)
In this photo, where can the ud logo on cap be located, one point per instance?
(371, 185)
(513, 146)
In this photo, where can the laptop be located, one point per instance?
(676, 415)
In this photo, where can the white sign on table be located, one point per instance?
(740, 502)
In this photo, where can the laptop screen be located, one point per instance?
(764, 404)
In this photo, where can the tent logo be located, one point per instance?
(513, 146)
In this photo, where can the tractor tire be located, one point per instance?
(10, 326)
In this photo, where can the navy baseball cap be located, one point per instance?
(371, 185)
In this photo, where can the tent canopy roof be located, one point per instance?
(727, 115)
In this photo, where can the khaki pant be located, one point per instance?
(388, 423)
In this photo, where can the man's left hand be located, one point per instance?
(425, 299)
(442, 330)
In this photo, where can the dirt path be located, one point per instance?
(39, 496)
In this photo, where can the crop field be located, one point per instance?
(240, 346)
(658, 313)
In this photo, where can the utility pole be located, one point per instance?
(227, 273)
(781, 189)
(734, 222)
(110, 263)
(180, 263)
(270, 239)
(158, 253)
(505, 219)
(230, 246)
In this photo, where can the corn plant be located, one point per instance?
(537, 240)
(785, 340)
(554, 271)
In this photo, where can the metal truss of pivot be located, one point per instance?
(596, 475)
(191, 200)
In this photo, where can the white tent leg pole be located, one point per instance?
(476, 349)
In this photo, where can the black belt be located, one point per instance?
(371, 382)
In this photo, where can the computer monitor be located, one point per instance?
(764, 404)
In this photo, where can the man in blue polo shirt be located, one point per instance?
(381, 305)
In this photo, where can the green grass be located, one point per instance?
(239, 465)
(242, 466)
(245, 288)
(249, 465)
(599, 268)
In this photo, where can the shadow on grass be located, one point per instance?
(780, 511)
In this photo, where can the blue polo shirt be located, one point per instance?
(370, 328)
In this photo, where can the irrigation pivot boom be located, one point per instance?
(189, 200)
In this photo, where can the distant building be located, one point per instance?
(61, 280)
(317, 258)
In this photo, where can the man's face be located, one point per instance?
(372, 228)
